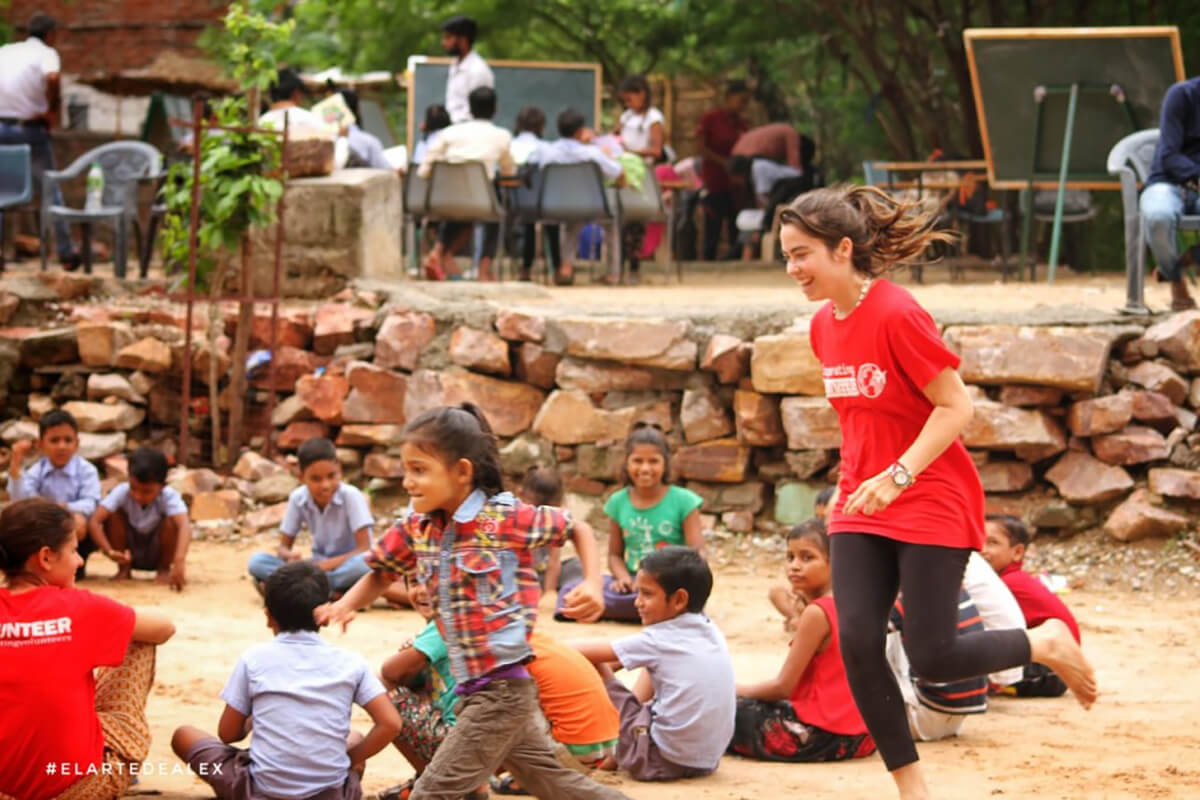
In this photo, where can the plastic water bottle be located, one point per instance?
(95, 189)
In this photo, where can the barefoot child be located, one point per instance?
(677, 723)
(472, 545)
(647, 514)
(76, 667)
(143, 523)
(805, 713)
(297, 692)
(337, 515)
(60, 475)
(1004, 549)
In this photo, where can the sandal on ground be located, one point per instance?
(398, 792)
(608, 279)
(1183, 304)
(564, 280)
(507, 785)
(433, 272)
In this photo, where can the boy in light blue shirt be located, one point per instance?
(143, 523)
(60, 474)
(298, 692)
(337, 516)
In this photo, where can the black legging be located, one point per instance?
(867, 571)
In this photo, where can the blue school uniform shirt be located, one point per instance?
(297, 688)
(144, 519)
(76, 485)
(332, 529)
(573, 151)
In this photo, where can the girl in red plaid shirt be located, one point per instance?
(472, 545)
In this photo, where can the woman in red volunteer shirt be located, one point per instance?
(65, 730)
(910, 506)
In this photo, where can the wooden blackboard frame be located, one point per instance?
(415, 61)
(971, 35)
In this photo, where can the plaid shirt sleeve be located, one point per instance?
(393, 554)
(539, 526)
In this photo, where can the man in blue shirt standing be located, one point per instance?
(1173, 187)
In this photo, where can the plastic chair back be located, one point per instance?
(643, 204)
(416, 194)
(572, 193)
(16, 175)
(462, 192)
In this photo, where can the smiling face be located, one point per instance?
(646, 466)
(58, 444)
(821, 272)
(808, 568)
(322, 479)
(433, 484)
(652, 603)
(418, 595)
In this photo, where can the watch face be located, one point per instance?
(901, 476)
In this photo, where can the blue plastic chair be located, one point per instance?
(16, 182)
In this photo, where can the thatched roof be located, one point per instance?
(169, 72)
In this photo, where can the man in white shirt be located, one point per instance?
(285, 96)
(30, 98)
(475, 140)
(468, 71)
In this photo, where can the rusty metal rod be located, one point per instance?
(275, 292)
(190, 294)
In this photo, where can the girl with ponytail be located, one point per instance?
(910, 505)
(472, 546)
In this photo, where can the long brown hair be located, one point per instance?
(886, 233)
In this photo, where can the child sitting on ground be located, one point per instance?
(1004, 549)
(806, 712)
(60, 475)
(783, 596)
(570, 693)
(338, 518)
(76, 667)
(292, 684)
(679, 722)
(647, 514)
(471, 544)
(936, 710)
(143, 523)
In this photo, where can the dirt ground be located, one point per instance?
(1137, 742)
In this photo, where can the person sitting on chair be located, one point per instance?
(1173, 187)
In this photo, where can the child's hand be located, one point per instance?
(584, 603)
(122, 557)
(333, 614)
(622, 584)
(177, 577)
(21, 449)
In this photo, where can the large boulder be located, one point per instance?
(1100, 415)
(728, 357)
(1073, 359)
(703, 417)
(1134, 444)
(597, 377)
(1085, 480)
(520, 326)
(1160, 378)
(147, 355)
(996, 426)
(1169, 482)
(480, 350)
(714, 461)
(644, 342)
(99, 342)
(1139, 518)
(105, 417)
(323, 395)
(377, 395)
(1178, 338)
(402, 337)
(810, 423)
(785, 363)
(510, 407)
(757, 417)
(337, 324)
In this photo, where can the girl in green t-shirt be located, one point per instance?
(647, 513)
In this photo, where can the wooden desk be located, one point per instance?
(931, 166)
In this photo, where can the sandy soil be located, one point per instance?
(1136, 743)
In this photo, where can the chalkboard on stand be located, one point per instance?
(551, 86)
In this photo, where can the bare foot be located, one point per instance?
(1052, 644)
(162, 577)
(124, 574)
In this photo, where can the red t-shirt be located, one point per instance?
(50, 641)
(875, 364)
(719, 130)
(822, 697)
(1037, 603)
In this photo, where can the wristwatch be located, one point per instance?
(900, 475)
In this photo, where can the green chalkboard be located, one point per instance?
(1008, 64)
(551, 86)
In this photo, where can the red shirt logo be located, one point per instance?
(871, 380)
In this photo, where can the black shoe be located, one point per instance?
(72, 262)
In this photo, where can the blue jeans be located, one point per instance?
(42, 156)
(1162, 204)
(340, 579)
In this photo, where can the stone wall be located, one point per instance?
(1075, 426)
